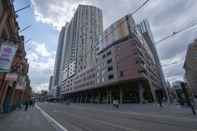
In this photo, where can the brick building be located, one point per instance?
(14, 81)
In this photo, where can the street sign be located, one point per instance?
(7, 53)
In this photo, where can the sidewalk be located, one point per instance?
(20, 120)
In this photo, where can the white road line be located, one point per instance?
(51, 120)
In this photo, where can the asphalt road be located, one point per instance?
(84, 117)
(81, 118)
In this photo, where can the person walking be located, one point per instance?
(116, 103)
(26, 105)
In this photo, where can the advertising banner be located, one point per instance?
(7, 53)
(21, 83)
(11, 76)
(115, 32)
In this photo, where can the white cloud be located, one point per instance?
(55, 12)
(164, 17)
(173, 67)
(40, 58)
(42, 50)
(41, 62)
(39, 87)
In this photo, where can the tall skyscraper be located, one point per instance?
(63, 54)
(82, 35)
(77, 44)
(58, 62)
(144, 28)
(59, 54)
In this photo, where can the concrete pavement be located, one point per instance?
(88, 117)
(20, 120)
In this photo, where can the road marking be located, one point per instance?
(51, 120)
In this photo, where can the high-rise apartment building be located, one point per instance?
(58, 59)
(190, 66)
(58, 63)
(82, 35)
(77, 44)
(63, 54)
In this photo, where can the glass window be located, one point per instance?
(109, 61)
(110, 76)
(110, 68)
(103, 79)
(103, 56)
(108, 53)
(121, 73)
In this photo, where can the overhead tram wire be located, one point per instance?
(27, 41)
(25, 28)
(27, 6)
(177, 32)
(140, 7)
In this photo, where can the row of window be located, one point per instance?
(87, 84)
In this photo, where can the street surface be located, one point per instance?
(92, 117)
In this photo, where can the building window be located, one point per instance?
(110, 76)
(121, 73)
(142, 71)
(110, 68)
(103, 79)
(108, 53)
(109, 61)
(103, 56)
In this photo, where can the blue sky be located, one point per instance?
(39, 31)
(41, 49)
(48, 16)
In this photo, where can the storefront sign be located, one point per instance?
(11, 76)
(21, 83)
(7, 53)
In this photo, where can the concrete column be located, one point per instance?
(81, 97)
(86, 99)
(121, 96)
(141, 92)
(110, 96)
(99, 96)
(105, 95)
(12, 97)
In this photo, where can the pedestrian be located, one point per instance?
(31, 103)
(116, 103)
(26, 105)
(159, 95)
